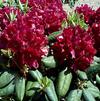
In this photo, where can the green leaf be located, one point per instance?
(53, 35)
(74, 95)
(93, 70)
(97, 78)
(89, 84)
(49, 62)
(94, 91)
(7, 90)
(63, 1)
(63, 83)
(71, 2)
(1, 3)
(75, 19)
(45, 81)
(20, 88)
(50, 91)
(32, 87)
(46, 98)
(5, 78)
(36, 75)
(20, 5)
(97, 59)
(95, 67)
(82, 75)
(88, 96)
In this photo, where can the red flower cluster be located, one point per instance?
(25, 35)
(5, 16)
(87, 13)
(96, 29)
(51, 12)
(76, 46)
(25, 38)
(92, 18)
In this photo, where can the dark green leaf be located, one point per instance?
(50, 91)
(94, 91)
(49, 62)
(74, 95)
(97, 78)
(63, 83)
(53, 35)
(97, 59)
(32, 87)
(7, 90)
(36, 75)
(20, 88)
(71, 2)
(88, 96)
(63, 1)
(82, 75)
(5, 78)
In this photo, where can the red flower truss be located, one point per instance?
(74, 45)
(5, 16)
(87, 13)
(51, 11)
(92, 17)
(25, 38)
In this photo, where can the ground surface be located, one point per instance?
(92, 3)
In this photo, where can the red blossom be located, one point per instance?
(51, 12)
(92, 17)
(87, 12)
(25, 38)
(5, 16)
(75, 46)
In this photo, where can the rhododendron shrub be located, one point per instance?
(25, 34)
(75, 46)
(25, 38)
(47, 56)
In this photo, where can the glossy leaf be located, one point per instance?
(32, 87)
(50, 91)
(49, 62)
(36, 75)
(5, 78)
(71, 2)
(94, 68)
(74, 95)
(82, 75)
(7, 90)
(94, 92)
(88, 96)
(20, 88)
(63, 83)
(97, 59)
(53, 35)
(98, 79)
